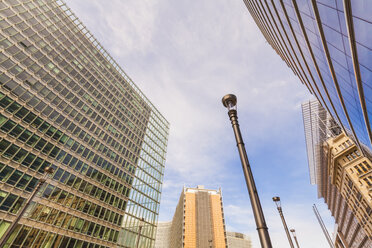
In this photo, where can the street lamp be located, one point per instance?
(295, 237)
(229, 101)
(210, 243)
(276, 199)
(47, 171)
(140, 226)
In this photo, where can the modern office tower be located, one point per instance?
(342, 174)
(238, 240)
(65, 103)
(197, 222)
(327, 45)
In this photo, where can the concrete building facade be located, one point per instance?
(65, 103)
(163, 234)
(238, 240)
(198, 220)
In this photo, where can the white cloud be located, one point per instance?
(185, 55)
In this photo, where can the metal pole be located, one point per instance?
(295, 238)
(324, 229)
(285, 227)
(21, 212)
(139, 232)
(262, 229)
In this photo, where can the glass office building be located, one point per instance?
(65, 103)
(327, 45)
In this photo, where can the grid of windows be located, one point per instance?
(65, 103)
(340, 171)
(327, 45)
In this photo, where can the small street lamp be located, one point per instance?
(210, 243)
(47, 171)
(140, 226)
(229, 101)
(276, 199)
(293, 231)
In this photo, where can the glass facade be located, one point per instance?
(65, 103)
(326, 44)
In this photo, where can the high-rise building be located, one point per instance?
(327, 45)
(65, 103)
(342, 174)
(238, 240)
(197, 222)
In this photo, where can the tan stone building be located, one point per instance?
(238, 240)
(343, 173)
(198, 221)
(163, 234)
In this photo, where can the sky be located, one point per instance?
(185, 56)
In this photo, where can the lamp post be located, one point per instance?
(229, 101)
(276, 199)
(47, 171)
(140, 226)
(293, 231)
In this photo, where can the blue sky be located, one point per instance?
(185, 56)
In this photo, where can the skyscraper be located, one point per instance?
(342, 174)
(65, 103)
(197, 222)
(327, 45)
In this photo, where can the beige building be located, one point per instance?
(343, 174)
(238, 240)
(163, 234)
(198, 221)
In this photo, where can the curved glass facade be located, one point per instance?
(327, 45)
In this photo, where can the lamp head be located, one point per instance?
(276, 199)
(229, 101)
(49, 170)
(292, 230)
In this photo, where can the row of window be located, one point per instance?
(70, 200)
(362, 168)
(10, 202)
(15, 177)
(353, 155)
(344, 145)
(20, 155)
(14, 107)
(25, 236)
(64, 220)
(75, 182)
(24, 181)
(49, 149)
(25, 135)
